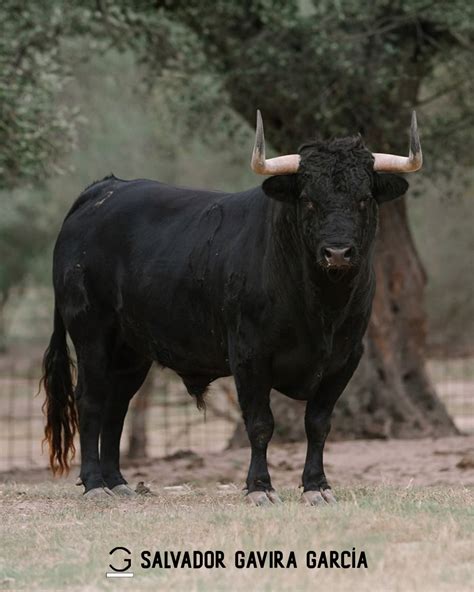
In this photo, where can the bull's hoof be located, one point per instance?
(313, 498)
(262, 498)
(99, 493)
(318, 498)
(274, 497)
(328, 496)
(257, 498)
(123, 490)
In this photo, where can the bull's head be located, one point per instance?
(336, 187)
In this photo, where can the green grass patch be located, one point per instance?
(414, 539)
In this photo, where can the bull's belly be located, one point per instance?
(203, 352)
(187, 352)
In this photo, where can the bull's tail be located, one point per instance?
(59, 406)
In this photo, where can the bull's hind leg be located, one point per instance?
(128, 377)
(94, 384)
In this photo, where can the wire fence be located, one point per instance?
(454, 382)
(172, 420)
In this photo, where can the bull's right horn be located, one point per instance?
(281, 165)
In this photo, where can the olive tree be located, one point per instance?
(324, 68)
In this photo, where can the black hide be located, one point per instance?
(212, 284)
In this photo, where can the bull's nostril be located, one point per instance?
(348, 253)
(338, 257)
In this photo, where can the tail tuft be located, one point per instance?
(59, 406)
(201, 402)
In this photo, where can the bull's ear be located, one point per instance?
(281, 187)
(388, 187)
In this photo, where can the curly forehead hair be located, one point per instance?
(344, 161)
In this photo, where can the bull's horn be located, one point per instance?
(390, 163)
(280, 165)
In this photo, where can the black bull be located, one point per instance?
(273, 285)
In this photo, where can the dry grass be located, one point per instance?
(415, 539)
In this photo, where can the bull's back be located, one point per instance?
(156, 258)
(136, 223)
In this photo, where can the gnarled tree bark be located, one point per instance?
(390, 394)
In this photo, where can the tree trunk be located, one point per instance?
(3, 323)
(137, 440)
(390, 394)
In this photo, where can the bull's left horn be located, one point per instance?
(390, 163)
(280, 165)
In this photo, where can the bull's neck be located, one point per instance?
(293, 265)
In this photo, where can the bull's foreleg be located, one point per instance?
(255, 404)
(318, 424)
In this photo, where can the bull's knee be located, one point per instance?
(260, 432)
(317, 426)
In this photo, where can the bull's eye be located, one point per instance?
(362, 204)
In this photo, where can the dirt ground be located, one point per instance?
(401, 463)
(406, 504)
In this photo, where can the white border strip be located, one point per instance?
(119, 574)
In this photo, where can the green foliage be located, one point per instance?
(324, 67)
(313, 67)
(128, 131)
(35, 127)
(195, 70)
(25, 229)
